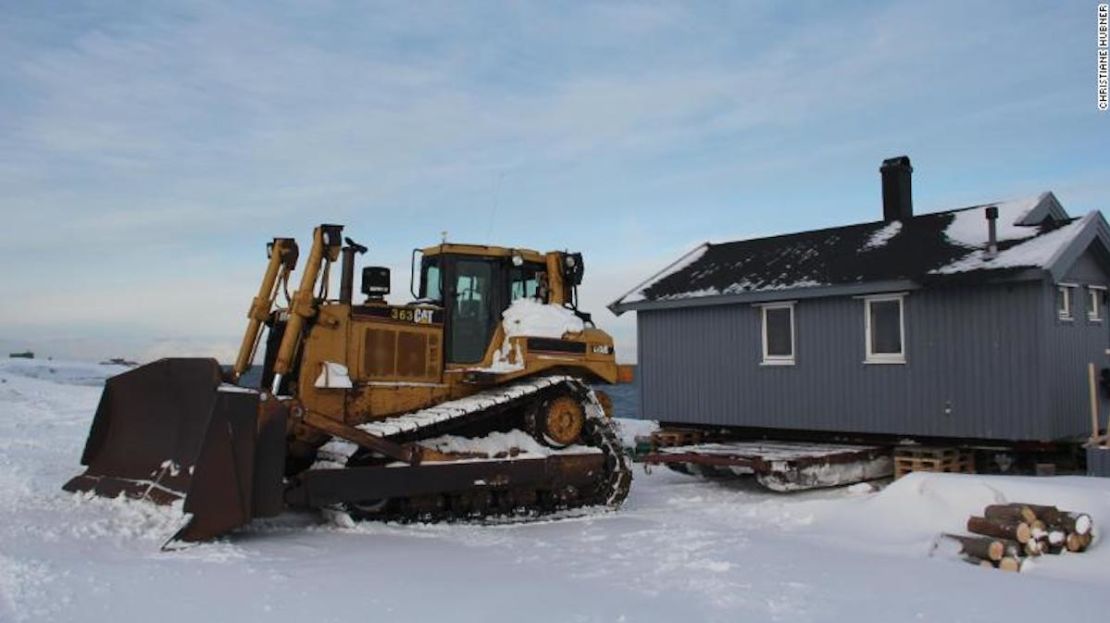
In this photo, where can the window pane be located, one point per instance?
(1063, 304)
(1092, 308)
(886, 327)
(431, 282)
(778, 332)
(471, 319)
(525, 283)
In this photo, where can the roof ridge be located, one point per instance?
(945, 245)
(1040, 197)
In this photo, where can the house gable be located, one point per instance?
(1091, 243)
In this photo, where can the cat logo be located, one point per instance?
(602, 349)
(419, 316)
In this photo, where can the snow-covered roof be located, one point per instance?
(1032, 233)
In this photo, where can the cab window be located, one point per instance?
(429, 284)
(525, 281)
(472, 320)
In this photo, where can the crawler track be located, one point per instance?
(501, 409)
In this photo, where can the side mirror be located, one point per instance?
(375, 281)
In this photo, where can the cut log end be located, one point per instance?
(996, 550)
(1010, 564)
(1022, 533)
(980, 547)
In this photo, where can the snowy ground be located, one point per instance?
(682, 549)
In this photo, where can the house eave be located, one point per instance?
(768, 296)
(853, 289)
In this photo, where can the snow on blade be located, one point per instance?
(883, 236)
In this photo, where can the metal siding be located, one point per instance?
(1069, 347)
(973, 349)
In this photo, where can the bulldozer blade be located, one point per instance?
(171, 430)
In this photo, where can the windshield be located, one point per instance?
(527, 281)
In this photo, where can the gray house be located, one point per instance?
(977, 323)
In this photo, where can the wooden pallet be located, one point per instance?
(673, 437)
(932, 459)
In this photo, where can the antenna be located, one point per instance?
(496, 200)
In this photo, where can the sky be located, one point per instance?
(148, 151)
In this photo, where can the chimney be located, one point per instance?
(992, 232)
(897, 194)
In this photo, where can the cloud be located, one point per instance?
(147, 154)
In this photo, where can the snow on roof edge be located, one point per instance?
(675, 266)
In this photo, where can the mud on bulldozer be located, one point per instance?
(474, 399)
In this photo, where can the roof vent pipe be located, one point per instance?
(992, 231)
(897, 194)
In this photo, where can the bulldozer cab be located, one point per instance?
(475, 284)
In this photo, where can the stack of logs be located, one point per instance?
(1007, 534)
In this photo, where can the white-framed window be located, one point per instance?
(1063, 301)
(885, 328)
(1095, 296)
(778, 333)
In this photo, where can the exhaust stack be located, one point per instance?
(992, 232)
(897, 191)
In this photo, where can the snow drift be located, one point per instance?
(682, 548)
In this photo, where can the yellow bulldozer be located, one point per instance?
(475, 399)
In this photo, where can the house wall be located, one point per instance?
(1069, 346)
(974, 367)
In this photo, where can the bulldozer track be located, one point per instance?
(437, 419)
(454, 410)
(609, 488)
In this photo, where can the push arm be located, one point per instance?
(283, 259)
(326, 243)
